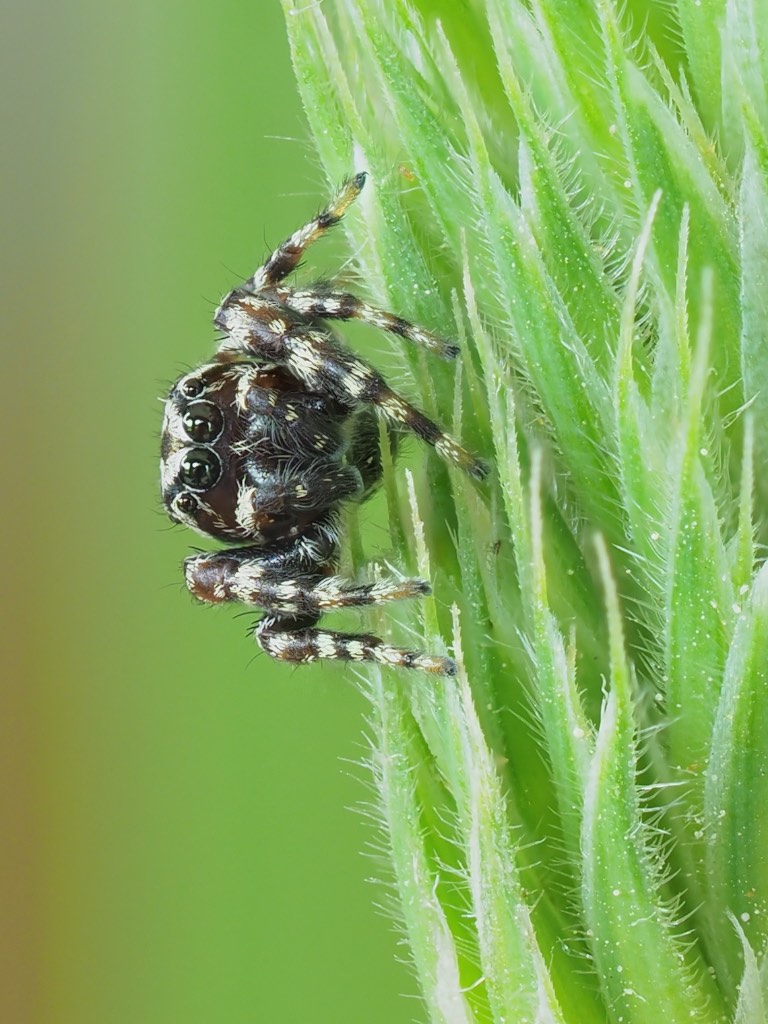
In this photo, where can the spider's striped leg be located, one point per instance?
(291, 639)
(288, 255)
(246, 577)
(398, 411)
(329, 305)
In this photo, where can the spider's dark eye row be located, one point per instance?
(203, 422)
(200, 469)
(192, 388)
(186, 503)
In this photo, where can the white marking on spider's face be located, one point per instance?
(190, 520)
(173, 429)
(247, 377)
(277, 326)
(212, 377)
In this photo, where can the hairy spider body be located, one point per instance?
(263, 446)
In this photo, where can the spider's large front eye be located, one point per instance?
(200, 469)
(203, 422)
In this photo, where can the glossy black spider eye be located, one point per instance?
(200, 469)
(203, 422)
(186, 503)
(192, 388)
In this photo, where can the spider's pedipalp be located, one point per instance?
(281, 504)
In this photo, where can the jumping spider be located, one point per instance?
(264, 444)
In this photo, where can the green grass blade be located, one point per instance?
(630, 923)
(736, 790)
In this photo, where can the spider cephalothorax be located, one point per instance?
(262, 446)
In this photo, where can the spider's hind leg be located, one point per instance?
(296, 640)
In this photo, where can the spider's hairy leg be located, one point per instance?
(243, 576)
(330, 305)
(288, 255)
(296, 640)
(398, 411)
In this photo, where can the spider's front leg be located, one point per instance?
(295, 598)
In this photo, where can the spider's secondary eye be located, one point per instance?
(186, 503)
(192, 388)
(200, 469)
(203, 422)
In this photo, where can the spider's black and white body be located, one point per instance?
(262, 446)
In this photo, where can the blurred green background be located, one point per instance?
(178, 843)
